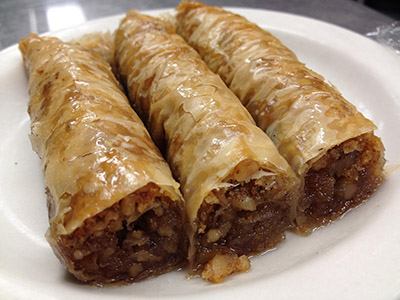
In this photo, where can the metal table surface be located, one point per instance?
(20, 17)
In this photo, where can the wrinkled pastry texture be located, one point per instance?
(203, 127)
(99, 42)
(328, 143)
(304, 115)
(94, 149)
(233, 179)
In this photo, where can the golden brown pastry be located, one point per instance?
(328, 143)
(240, 194)
(99, 42)
(115, 210)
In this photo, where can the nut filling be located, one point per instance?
(253, 220)
(119, 246)
(340, 180)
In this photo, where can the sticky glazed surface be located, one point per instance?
(99, 42)
(94, 149)
(294, 105)
(206, 132)
(304, 115)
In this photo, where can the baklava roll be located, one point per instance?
(116, 213)
(328, 143)
(240, 194)
(99, 42)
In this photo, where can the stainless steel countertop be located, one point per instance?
(20, 17)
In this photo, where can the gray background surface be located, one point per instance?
(20, 17)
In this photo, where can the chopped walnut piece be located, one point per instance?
(341, 179)
(115, 248)
(222, 265)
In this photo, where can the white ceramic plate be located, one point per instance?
(355, 258)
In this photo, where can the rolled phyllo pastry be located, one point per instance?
(115, 210)
(328, 143)
(240, 194)
(99, 42)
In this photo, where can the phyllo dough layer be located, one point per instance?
(116, 213)
(240, 194)
(327, 142)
